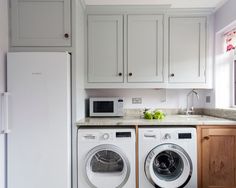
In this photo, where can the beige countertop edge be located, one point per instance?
(170, 121)
(168, 125)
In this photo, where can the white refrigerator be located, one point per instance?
(36, 118)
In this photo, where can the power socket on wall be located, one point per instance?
(208, 99)
(137, 100)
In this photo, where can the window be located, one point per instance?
(225, 69)
(230, 45)
(230, 40)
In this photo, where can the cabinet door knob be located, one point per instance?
(172, 75)
(130, 74)
(66, 35)
(206, 137)
(120, 74)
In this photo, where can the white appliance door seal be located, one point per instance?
(168, 165)
(106, 166)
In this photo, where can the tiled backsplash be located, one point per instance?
(223, 113)
(168, 111)
(216, 112)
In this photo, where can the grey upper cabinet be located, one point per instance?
(105, 48)
(145, 48)
(187, 49)
(148, 47)
(40, 23)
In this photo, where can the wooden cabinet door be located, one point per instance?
(145, 48)
(40, 23)
(105, 48)
(218, 158)
(187, 50)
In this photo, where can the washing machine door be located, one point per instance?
(168, 166)
(106, 166)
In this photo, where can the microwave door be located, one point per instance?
(104, 108)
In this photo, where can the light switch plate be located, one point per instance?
(137, 100)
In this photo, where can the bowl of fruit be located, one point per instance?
(154, 114)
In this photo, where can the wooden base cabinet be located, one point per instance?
(217, 157)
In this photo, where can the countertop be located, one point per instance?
(191, 120)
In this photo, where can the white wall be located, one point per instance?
(3, 41)
(225, 15)
(78, 95)
(3, 50)
(151, 98)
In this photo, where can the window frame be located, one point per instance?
(233, 82)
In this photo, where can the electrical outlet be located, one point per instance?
(137, 100)
(208, 99)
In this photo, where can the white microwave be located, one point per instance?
(106, 107)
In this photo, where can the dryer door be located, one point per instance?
(168, 165)
(106, 166)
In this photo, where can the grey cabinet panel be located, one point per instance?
(187, 49)
(40, 23)
(145, 48)
(105, 48)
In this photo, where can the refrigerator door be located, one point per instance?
(2, 160)
(39, 145)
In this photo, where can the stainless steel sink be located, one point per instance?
(194, 117)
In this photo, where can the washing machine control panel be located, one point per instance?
(167, 136)
(171, 136)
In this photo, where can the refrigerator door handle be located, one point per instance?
(5, 110)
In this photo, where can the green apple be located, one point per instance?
(148, 115)
(158, 114)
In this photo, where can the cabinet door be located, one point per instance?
(218, 158)
(40, 23)
(145, 48)
(187, 50)
(105, 48)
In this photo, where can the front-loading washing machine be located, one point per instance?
(167, 158)
(106, 158)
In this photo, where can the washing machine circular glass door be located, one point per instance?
(168, 166)
(106, 166)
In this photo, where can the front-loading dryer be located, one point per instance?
(106, 158)
(167, 158)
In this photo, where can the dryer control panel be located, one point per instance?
(103, 135)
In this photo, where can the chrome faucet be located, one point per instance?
(190, 110)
